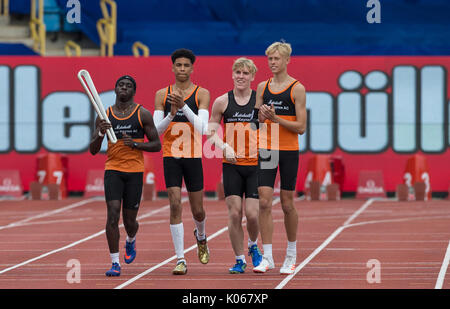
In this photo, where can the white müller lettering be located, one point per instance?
(406, 110)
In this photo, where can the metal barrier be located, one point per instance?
(37, 26)
(4, 7)
(140, 46)
(107, 28)
(72, 45)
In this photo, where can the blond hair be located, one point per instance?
(245, 62)
(283, 48)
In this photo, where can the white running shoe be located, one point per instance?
(265, 265)
(288, 265)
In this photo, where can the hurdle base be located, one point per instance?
(40, 191)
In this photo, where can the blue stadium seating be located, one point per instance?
(8, 49)
(313, 27)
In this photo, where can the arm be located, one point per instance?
(218, 108)
(162, 123)
(199, 121)
(299, 124)
(259, 101)
(97, 137)
(153, 144)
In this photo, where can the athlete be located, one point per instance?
(124, 167)
(240, 163)
(281, 101)
(181, 115)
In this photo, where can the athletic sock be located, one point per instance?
(267, 248)
(200, 229)
(291, 248)
(130, 240)
(242, 258)
(251, 242)
(177, 232)
(115, 258)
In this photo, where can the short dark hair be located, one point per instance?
(183, 53)
(128, 77)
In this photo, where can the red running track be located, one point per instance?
(408, 241)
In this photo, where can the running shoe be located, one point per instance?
(288, 265)
(180, 269)
(202, 249)
(130, 251)
(114, 271)
(256, 255)
(238, 268)
(265, 265)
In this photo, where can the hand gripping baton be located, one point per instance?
(92, 93)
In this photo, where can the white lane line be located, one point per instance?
(49, 213)
(80, 241)
(211, 237)
(443, 271)
(325, 243)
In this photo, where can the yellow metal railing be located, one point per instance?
(140, 46)
(4, 7)
(107, 28)
(72, 45)
(37, 26)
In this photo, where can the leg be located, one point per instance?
(235, 230)
(112, 225)
(131, 201)
(114, 187)
(252, 215)
(265, 214)
(290, 214)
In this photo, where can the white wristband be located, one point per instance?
(100, 133)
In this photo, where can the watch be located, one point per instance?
(134, 145)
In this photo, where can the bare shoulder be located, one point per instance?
(299, 87)
(221, 102)
(161, 92)
(203, 91)
(261, 85)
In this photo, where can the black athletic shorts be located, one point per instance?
(125, 187)
(240, 179)
(191, 169)
(268, 163)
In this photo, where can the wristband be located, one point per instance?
(100, 133)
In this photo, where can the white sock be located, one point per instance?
(177, 232)
(267, 248)
(251, 242)
(242, 258)
(291, 248)
(200, 229)
(115, 257)
(131, 239)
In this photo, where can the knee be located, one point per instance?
(235, 216)
(112, 221)
(175, 209)
(265, 204)
(198, 213)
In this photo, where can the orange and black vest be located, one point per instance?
(120, 157)
(274, 136)
(238, 133)
(180, 140)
